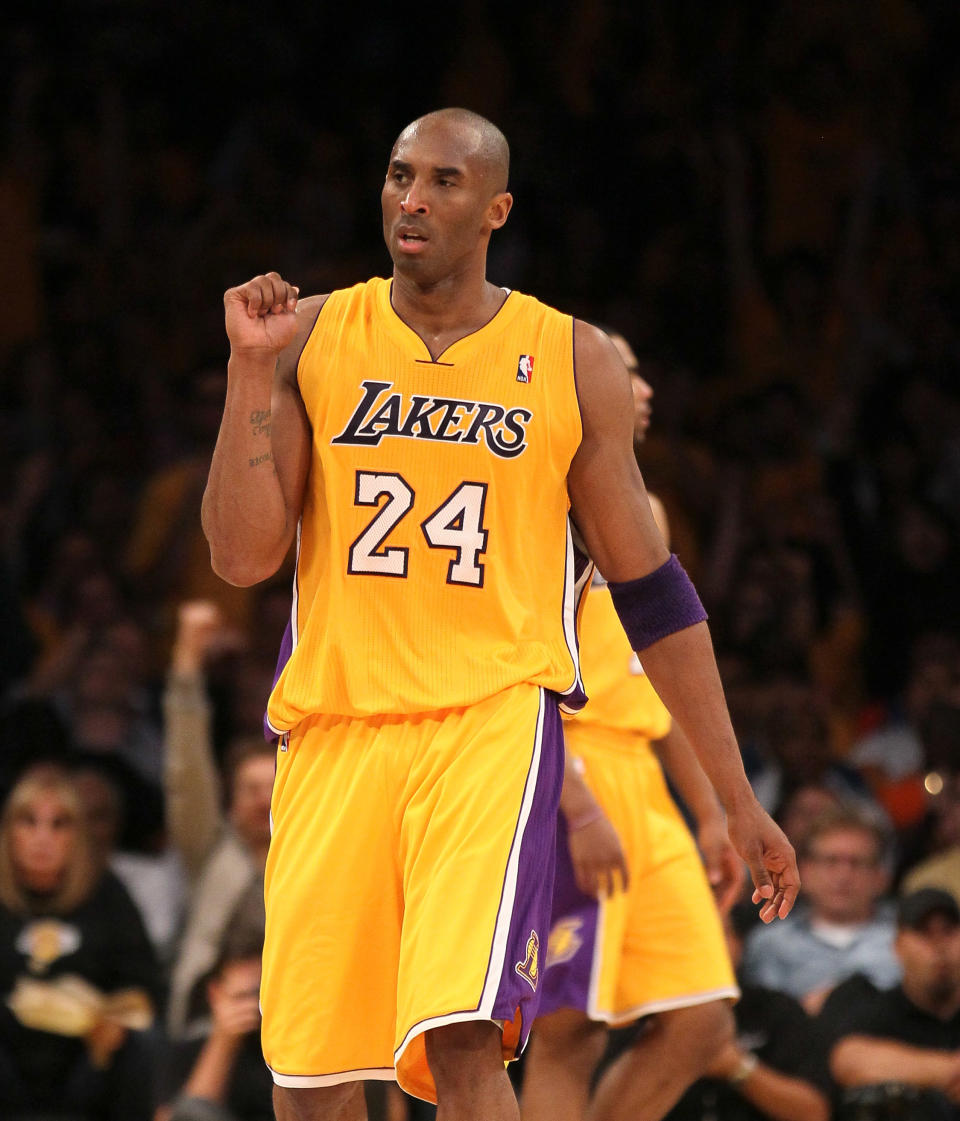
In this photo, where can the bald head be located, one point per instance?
(482, 142)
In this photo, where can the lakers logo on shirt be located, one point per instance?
(564, 941)
(529, 968)
(46, 940)
(448, 419)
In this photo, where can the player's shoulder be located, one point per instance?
(534, 306)
(308, 312)
(603, 384)
(357, 303)
(595, 353)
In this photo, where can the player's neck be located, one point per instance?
(445, 311)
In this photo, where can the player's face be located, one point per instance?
(642, 391)
(438, 205)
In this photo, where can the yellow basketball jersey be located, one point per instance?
(434, 560)
(621, 696)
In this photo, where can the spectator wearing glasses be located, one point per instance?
(845, 925)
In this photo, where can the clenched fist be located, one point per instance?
(261, 314)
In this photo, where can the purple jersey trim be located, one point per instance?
(286, 649)
(290, 637)
(576, 696)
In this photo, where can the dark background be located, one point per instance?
(762, 196)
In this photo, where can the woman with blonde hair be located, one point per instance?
(78, 976)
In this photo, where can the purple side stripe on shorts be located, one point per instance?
(521, 979)
(568, 969)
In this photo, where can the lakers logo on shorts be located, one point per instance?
(529, 968)
(564, 941)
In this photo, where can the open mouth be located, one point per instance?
(410, 238)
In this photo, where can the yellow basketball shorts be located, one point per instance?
(657, 946)
(408, 886)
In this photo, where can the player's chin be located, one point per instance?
(415, 266)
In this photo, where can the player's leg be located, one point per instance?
(334, 908)
(466, 1061)
(565, 1048)
(674, 1050)
(476, 854)
(674, 968)
(321, 1103)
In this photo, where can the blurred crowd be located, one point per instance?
(763, 197)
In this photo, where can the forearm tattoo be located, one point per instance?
(260, 422)
(267, 457)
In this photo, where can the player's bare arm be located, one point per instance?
(599, 862)
(610, 506)
(723, 865)
(255, 488)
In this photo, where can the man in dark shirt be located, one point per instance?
(896, 1052)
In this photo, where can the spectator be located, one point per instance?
(896, 1051)
(76, 967)
(843, 926)
(222, 1077)
(798, 749)
(774, 1069)
(223, 852)
(942, 868)
(801, 807)
(894, 755)
(155, 881)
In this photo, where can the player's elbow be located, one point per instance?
(240, 571)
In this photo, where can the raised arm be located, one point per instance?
(254, 491)
(611, 509)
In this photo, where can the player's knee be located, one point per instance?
(568, 1037)
(458, 1053)
(703, 1029)
(320, 1103)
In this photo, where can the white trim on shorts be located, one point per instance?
(305, 1081)
(670, 1004)
(651, 1007)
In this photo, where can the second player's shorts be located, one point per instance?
(659, 945)
(408, 886)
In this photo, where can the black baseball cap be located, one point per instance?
(914, 909)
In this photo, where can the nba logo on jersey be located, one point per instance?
(525, 368)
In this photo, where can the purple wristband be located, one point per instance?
(660, 603)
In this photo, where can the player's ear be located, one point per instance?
(499, 208)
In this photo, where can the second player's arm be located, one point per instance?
(724, 867)
(258, 472)
(611, 509)
(598, 859)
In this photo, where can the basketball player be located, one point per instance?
(635, 932)
(423, 439)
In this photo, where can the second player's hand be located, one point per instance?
(769, 856)
(599, 864)
(261, 314)
(724, 868)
